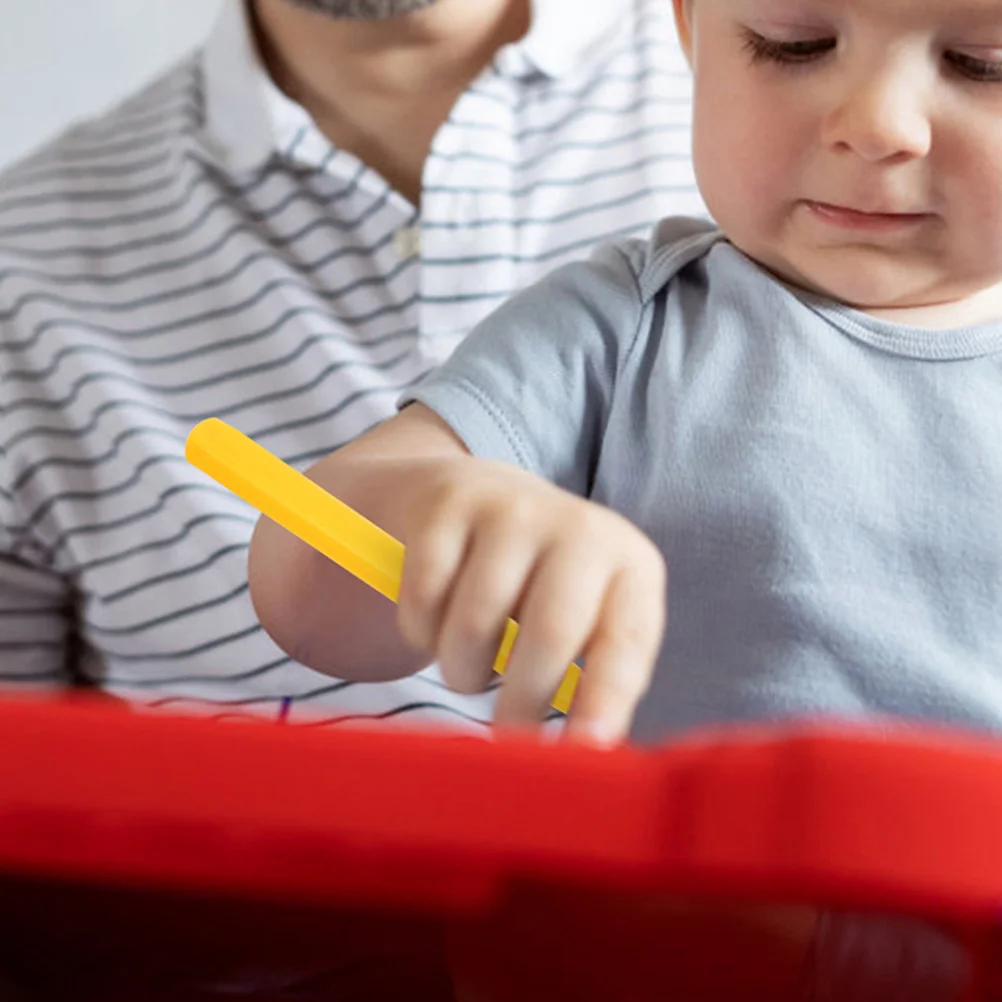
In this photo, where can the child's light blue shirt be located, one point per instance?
(826, 487)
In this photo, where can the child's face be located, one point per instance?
(854, 147)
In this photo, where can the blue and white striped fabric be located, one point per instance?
(204, 250)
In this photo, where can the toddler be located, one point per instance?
(746, 470)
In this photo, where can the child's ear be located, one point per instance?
(683, 20)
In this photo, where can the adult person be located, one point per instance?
(286, 230)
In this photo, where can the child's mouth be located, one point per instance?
(853, 219)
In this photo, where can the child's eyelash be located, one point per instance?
(770, 50)
(979, 70)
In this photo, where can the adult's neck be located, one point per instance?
(323, 62)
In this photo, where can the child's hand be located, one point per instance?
(486, 541)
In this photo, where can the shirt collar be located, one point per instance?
(248, 119)
(566, 34)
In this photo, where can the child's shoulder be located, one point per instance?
(674, 243)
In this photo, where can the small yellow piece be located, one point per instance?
(318, 518)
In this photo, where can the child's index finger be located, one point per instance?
(319, 519)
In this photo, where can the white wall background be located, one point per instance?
(61, 60)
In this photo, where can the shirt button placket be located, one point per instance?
(468, 235)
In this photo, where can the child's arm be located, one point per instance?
(315, 611)
(485, 541)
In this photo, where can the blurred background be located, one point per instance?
(62, 60)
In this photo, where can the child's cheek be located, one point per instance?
(743, 184)
(967, 178)
(749, 148)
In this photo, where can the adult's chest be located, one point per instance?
(101, 394)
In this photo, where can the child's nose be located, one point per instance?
(881, 119)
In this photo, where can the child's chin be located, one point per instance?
(869, 285)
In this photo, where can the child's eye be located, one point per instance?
(771, 50)
(979, 70)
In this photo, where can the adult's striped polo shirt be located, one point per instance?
(204, 250)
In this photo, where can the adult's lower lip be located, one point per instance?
(852, 219)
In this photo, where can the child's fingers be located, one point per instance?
(556, 617)
(620, 656)
(486, 590)
(431, 562)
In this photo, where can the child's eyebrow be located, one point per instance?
(939, 11)
(974, 11)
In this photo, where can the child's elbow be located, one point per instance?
(277, 569)
(320, 616)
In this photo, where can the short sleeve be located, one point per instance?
(533, 383)
(35, 603)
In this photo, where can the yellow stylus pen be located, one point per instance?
(318, 518)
